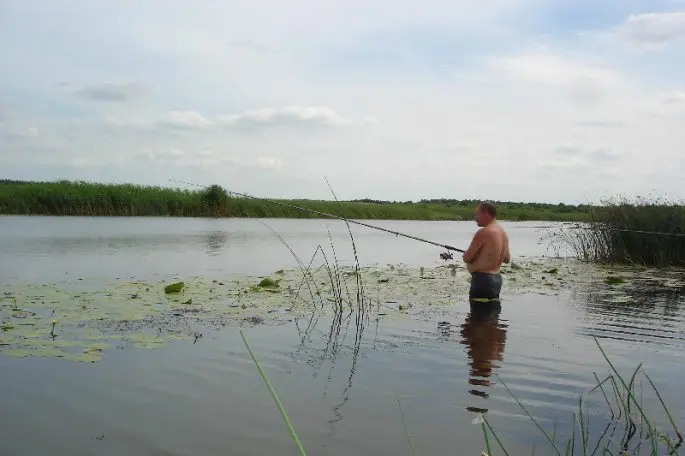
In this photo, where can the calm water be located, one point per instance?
(340, 392)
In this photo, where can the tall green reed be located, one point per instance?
(643, 232)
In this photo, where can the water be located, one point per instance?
(207, 398)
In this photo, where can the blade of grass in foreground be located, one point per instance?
(406, 428)
(275, 396)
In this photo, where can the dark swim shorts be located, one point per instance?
(485, 285)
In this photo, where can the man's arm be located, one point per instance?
(507, 256)
(475, 246)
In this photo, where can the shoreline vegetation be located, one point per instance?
(641, 232)
(78, 198)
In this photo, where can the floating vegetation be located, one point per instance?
(268, 282)
(80, 321)
(173, 288)
(613, 280)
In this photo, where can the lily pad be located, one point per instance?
(174, 287)
(269, 282)
(613, 280)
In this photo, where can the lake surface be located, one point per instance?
(339, 382)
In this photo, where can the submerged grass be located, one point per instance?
(640, 232)
(99, 199)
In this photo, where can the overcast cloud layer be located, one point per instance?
(565, 101)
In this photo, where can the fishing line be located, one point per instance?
(622, 230)
(396, 233)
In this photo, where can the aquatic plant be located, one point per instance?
(625, 412)
(644, 232)
(274, 395)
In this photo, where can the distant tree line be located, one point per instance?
(97, 199)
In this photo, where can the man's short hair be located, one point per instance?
(488, 208)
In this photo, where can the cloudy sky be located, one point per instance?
(526, 100)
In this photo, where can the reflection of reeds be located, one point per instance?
(626, 411)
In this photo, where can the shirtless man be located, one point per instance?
(488, 250)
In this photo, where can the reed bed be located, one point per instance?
(77, 198)
(642, 232)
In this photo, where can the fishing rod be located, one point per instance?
(396, 233)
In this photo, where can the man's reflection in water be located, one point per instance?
(484, 336)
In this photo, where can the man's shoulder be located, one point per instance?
(498, 226)
(487, 232)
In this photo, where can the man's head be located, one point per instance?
(485, 213)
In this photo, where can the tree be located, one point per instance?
(215, 199)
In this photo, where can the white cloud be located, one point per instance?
(551, 68)
(285, 116)
(676, 98)
(288, 116)
(111, 91)
(584, 81)
(268, 162)
(653, 31)
(179, 158)
(186, 119)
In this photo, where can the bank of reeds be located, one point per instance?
(644, 232)
(71, 198)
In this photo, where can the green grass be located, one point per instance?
(650, 233)
(69, 198)
(281, 409)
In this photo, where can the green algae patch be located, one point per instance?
(174, 287)
(268, 282)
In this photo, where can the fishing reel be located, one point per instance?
(446, 255)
